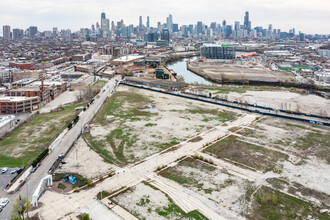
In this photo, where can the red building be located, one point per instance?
(22, 66)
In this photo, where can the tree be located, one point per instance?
(85, 216)
(20, 208)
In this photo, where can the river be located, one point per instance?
(180, 68)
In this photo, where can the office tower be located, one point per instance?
(93, 28)
(213, 25)
(140, 23)
(158, 25)
(237, 25)
(6, 32)
(103, 22)
(294, 31)
(229, 31)
(175, 28)
(17, 33)
(165, 35)
(33, 30)
(97, 25)
(247, 24)
(169, 22)
(148, 22)
(55, 30)
(113, 26)
(199, 27)
(108, 24)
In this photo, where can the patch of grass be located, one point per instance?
(150, 124)
(25, 143)
(295, 126)
(61, 186)
(277, 183)
(174, 174)
(172, 210)
(99, 83)
(113, 106)
(245, 153)
(317, 142)
(144, 200)
(214, 114)
(273, 205)
(196, 139)
(102, 195)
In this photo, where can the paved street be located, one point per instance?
(67, 140)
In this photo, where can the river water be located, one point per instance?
(180, 68)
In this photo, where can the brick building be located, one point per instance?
(22, 66)
(14, 105)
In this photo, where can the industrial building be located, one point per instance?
(221, 51)
(14, 105)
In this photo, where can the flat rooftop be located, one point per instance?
(128, 58)
(16, 98)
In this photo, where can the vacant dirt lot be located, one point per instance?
(217, 187)
(146, 202)
(134, 124)
(239, 71)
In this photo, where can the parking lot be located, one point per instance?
(6, 177)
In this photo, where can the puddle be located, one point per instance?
(150, 109)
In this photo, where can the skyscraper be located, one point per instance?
(140, 23)
(247, 23)
(199, 27)
(165, 35)
(33, 30)
(169, 22)
(148, 22)
(6, 32)
(103, 22)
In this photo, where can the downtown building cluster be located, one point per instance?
(163, 31)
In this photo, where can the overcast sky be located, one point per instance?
(308, 16)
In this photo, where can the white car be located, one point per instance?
(4, 169)
(4, 202)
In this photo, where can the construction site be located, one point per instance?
(251, 70)
(158, 156)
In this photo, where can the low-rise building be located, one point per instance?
(18, 75)
(15, 105)
(23, 82)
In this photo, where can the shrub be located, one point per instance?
(85, 216)
(40, 157)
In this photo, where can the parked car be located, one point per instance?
(4, 169)
(34, 169)
(14, 170)
(0, 208)
(4, 202)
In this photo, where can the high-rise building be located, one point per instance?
(237, 25)
(6, 32)
(140, 23)
(33, 30)
(165, 35)
(102, 15)
(17, 34)
(103, 22)
(169, 22)
(247, 23)
(55, 31)
(199, 27)
(148, 22)
(175, 28)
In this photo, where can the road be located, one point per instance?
(67, 140)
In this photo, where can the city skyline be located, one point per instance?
(46, 15)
